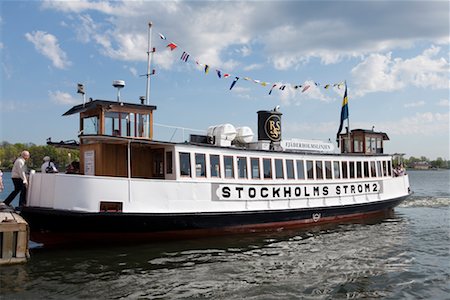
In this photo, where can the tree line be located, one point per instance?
(438, 163)
(61, 157)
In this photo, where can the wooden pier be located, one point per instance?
(14, 236)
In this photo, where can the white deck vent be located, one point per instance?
(244, 135)
(221, 135)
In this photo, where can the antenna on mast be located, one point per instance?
(149, 54)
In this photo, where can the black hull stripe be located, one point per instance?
(47, 222)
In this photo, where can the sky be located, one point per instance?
(393, 56)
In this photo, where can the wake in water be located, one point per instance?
(426, 201)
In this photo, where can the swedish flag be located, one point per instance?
(344, 111)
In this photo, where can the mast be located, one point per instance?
(147, 92)
(348, 122)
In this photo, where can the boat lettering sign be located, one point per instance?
(292, 191)
(307, 145)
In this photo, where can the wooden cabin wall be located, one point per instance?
(141, 162)
(110, 159)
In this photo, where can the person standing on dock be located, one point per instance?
(19, 178)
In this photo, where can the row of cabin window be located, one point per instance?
(314, 169)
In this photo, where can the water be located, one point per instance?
(404, 256)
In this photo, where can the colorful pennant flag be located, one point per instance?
(206, 69)
(270, 92)
(234, 82)
(184, 57)
(219, 73)
(344, 112)
(172, 46)
(305, 88)
(162, 36)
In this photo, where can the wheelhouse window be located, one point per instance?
(366, 169)
(267, 167)
(310, 169)
(328, 174)
(200, 165)
(290, 169)
(185, 164)
(214, 162)
(228, 165)
(255, 168)
(90, 125)
(352, 169)
(169, 164)
(319, 169)
(336, 170)
(242, 167)
(300, 169)
(279, 169)
(344, 170)
(358, 169)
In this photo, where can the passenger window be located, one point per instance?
(358, 169)
(319, 169)
(389, 165)
(344, 170)
(200, 165)
(185, 164)
(169, 165)
(290, 169)
(336, 169)
(373, 170)
(366, 169)
(255, 168)
(279, 169)
(352, 169)
(214, 163)
(267, 165)
(242, 167)
(328, 170)
(379, 169)
(300, 169)
(228, 165)
(309, 169)
(384, 168)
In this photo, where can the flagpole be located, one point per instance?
(147, 93)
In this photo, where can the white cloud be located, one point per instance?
(444, 102)
(62, 98)
(294, 34)
(381, 72)
(414, 104)
(426, 124)
(132, 70)
(47, 44)
(253, 67)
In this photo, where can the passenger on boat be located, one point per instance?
(73, 167)
(1, 181)
(48, 166)
(399, 170)
(19, 178)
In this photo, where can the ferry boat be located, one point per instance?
(131, 186)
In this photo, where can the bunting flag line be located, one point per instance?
(234, 82)
(281, 87)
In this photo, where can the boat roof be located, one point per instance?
(105, 103)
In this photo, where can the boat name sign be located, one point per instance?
(307, 145)
(284, 192)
